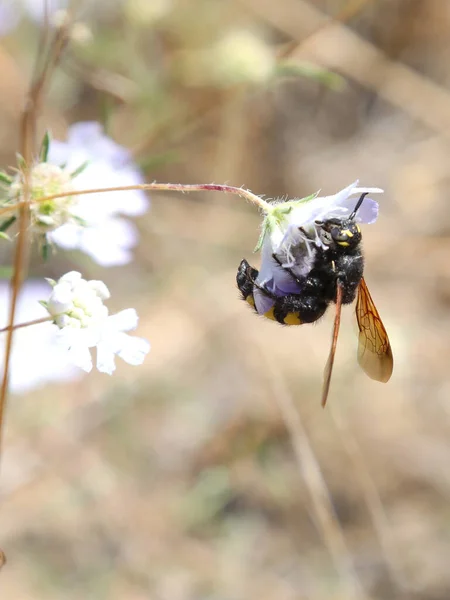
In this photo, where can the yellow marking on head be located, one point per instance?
(358, 228)
(269, 314)
(347, 232)
(345, 244)
(292, 319)
(250, 300)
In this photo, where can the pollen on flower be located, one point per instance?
(75, 302)
(45, 180)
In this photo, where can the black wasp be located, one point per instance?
(336, 276)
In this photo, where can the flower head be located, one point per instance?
(289, 233)
(96, 227)
(35, 358)
(82, 319)
(45, 180)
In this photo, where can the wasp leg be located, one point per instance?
(244, 278)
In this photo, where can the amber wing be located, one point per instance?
(374, 350)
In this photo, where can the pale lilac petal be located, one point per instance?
(89, 135)
(67, 236)
(262, 302)
(35, 8)
(108, 243)
(9, 16)
(337, 205)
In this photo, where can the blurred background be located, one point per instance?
(211, 472)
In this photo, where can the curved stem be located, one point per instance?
(178, 187)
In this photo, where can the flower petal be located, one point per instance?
(134, 350)
(125, 320)
(105, 359)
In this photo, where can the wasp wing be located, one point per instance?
(330, 362)
(374, 350)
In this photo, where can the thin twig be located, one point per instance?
(28, 139)
(321, 503)
(27, 324)
(372, 498)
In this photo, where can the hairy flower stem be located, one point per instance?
(178, 187)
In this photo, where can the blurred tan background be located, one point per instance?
(211, 472)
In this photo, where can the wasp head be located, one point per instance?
(339, 233)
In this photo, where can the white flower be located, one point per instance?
(106, 237)
(77, 308)
(283, 237)
(35, 358)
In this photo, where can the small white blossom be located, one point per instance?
(105, 236)
(35, 359)
(283, 234)
(77, 308)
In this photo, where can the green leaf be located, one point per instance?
(310, 71)
(79, 169)
(4, 178)
(4, 236)
(4, 225)
(43, 152)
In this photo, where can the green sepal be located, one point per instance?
(4, 225)
(79, 169)
(277, 215)
(43, 303)
(79, 221)
(43, 152)
(4, 178)
(262, 235)
(45, 248)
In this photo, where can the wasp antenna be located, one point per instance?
(358, 204)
